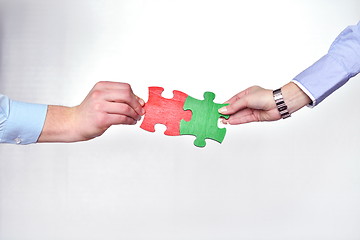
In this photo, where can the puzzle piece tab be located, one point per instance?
(204, 121)
(170, 112)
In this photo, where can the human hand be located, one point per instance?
(257, 104)
(254, 104)
(107, 104)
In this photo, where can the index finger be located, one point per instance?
(122, 93)
(236, 97)
(128, 97)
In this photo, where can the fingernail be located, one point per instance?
(223, 110)
(142, 102)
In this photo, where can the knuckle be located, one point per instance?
(128, 95)
(127, 91)
(122, 119)
(100, 84)
(254, 88)
(95, 94)
(98, 107)
(126, 86)
(101, 120)
(127, 108)
(124, 108)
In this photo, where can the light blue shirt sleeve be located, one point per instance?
(334, 69)
(20, 122)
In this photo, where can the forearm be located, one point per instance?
(294, 97)
(59, 125)
(335, 68)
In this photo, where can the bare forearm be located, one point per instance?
(58, 126)
(294, 97)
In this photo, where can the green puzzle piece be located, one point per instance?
(204, 121)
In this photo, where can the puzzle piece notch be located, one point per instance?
(169, 112)
(204, 122)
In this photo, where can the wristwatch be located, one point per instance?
(280, 103)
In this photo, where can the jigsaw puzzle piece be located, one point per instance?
(204, 121)
(169, 112)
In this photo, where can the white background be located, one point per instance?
(292, 179)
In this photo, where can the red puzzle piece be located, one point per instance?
(170, 112)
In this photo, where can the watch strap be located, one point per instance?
(280, 104)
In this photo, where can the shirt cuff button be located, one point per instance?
(17, 140)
